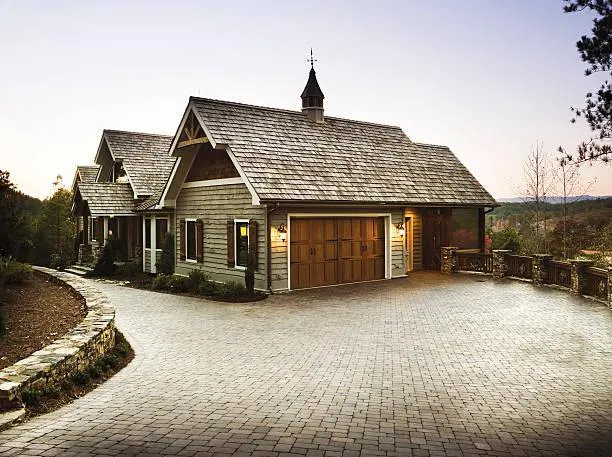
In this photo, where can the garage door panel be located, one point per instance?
(332, 250)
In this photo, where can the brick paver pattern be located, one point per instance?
(426, 366)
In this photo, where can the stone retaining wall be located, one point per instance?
(75, 351)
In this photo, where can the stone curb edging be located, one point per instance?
(73, 352)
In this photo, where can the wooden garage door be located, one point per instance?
(326, 251)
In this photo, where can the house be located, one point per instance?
(314, 200)
(112, 200)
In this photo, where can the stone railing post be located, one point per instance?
(499, 263)
(578, 270)
(448, 264)
(539, 272)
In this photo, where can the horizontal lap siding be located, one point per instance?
(215, 205)
(397, 245)
(279, 250)
(147, 264)
(417, 237)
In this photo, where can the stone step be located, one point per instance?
(79, 270)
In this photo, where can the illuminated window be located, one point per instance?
(241, 233)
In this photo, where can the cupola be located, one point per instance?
(312, 96)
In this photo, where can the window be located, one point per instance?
(190, 238)
(147, 233)
(241, 233)
(161, 229)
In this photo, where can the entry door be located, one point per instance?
(436, 225)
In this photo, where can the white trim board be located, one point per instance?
(388, 239)
(212, 182)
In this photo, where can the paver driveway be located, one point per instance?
(429, 365)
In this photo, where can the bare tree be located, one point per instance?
(538, 182)
(568, 178)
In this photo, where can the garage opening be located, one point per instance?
(336, 250)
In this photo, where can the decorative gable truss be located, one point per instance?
(201, 161)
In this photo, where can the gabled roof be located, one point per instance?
(108, 198)
(285, 156)
(88, 173)
(145, 158)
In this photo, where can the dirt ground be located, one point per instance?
(36, 313)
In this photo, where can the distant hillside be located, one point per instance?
(555, 199)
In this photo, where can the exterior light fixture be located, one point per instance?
(282, 232)
(400, 229)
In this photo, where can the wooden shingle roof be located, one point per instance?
(287, 157)
(145, 158)
(88, 173)
(108, 198)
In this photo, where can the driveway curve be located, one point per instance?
(428, 365)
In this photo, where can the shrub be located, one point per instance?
(161, 282)
(51, 391)
(249, 273)
(94, 371)
(231, 289)
(208, 288)
(196, 278)
(179, 283)
(59, 261)
(12, 272)
(508, 238)
(166, 263)
(81, 378)
(31, 397)
(105, 265)
(128, 270)
(109, 361)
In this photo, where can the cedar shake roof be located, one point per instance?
(145, 158)
(108, 198)
(287, 157)
(88, 173)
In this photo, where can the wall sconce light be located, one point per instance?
(110, 233)
(282, 232)
(400, 229)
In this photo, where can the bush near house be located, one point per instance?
(166, 263)
(12, 272)
(105, 266)
(199, 283)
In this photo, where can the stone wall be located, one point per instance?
(75, 351)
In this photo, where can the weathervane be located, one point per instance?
(312, 60)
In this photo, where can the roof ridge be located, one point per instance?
(137, 133)
(431, 144)
(288, 111)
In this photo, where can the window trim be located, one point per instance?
(236, 222)
(187, 259)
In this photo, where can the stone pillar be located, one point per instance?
(539, 272)
(85, 254)
(138, 254)
(578, 270)
(499, 263)
(449, 259)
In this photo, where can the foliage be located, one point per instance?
(16, 224)
(105, 265)
(128, 269)
(249, 273)
(508, 238)
(596, 52)
(196, 279)
(60, 261)
(81, 378)
(2, 323)
(230, 289)
(166, 262)
(54, 230)
(172, 283)
(575, 234)
(13, 272)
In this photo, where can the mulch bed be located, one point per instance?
(36, 313)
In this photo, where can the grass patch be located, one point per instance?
(51, 397)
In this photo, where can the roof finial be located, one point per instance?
(312, 60)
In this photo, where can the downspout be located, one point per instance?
(269, 210)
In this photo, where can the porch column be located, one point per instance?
(499, 263)
(105, 229)
(153, 245)
(85, 230)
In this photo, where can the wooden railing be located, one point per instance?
(596, 284)
(519, 266)
(559, 273)
(475, 261)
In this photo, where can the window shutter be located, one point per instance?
(253, 241)
(182, 238)
(230, 244)
(200, 241)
